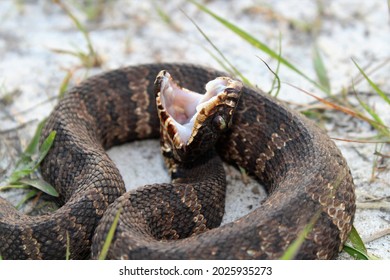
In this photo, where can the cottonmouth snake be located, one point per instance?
(307, 178)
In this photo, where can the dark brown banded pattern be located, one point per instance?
(300, 166)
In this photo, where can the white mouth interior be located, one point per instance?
(183, 105)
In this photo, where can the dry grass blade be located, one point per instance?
(378, 235)
(381, 154)
(340, 108)
(65, 83)
(110, 236)
(361, 141)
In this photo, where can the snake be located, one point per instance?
(310, 189)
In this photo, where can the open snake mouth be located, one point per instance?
(183, 111)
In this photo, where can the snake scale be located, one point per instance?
(306, 177)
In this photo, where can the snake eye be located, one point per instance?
(219, 123)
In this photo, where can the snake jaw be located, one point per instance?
(188, 118)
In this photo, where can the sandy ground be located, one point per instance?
(131, 32)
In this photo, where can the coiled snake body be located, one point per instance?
(308, 180)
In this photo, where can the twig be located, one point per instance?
(23, 125)
(377, 235)
(373, 205)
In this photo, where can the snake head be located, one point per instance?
(190, 122)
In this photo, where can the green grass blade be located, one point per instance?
(110, 236)
(165, 17)
(33, 145)
(78, 24)
(256, 43)
(320, 70)
(15, 186)
(234, 70)
(356, 240)
(293, 248)
(357, 249)
(355, 253)
(370, 111)
(219, 61)
(26, 166)
(277, 79)
(44, 149)
(18, 174)
(372, 84)
(377, 122)
(372, 257)
(40, 185)
(67, 253)
(28, 196)
(92, 59)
